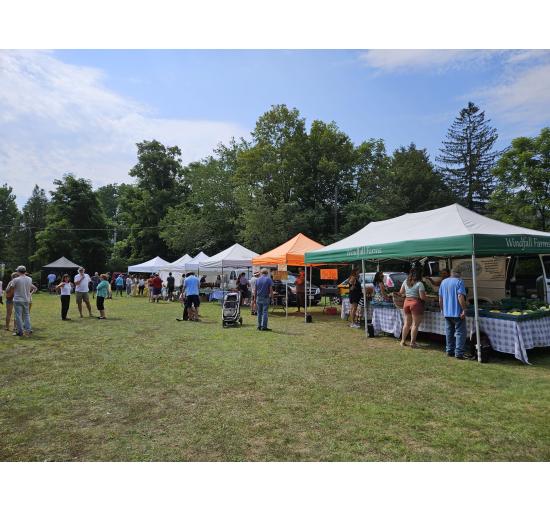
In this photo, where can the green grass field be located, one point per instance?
(142, 386)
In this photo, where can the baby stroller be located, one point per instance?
(231, 310)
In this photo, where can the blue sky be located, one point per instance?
(83, 111)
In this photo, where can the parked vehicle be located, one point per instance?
(314, 292)
(392, 281)
(518, 276)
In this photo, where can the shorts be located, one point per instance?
(82, 296)
(192, 301)
(243, 289)
(355, 298)
(414, 306)
(156, 292)
(99, 303)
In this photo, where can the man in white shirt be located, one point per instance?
(82, 288)
(22, 297)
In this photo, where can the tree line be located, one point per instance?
(260, 191)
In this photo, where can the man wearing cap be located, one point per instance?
(82, 288)
(252, 283)
(263, 292)
(21, 300)
(452, 301)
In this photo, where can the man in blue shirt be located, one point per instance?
(263, 292)
(192, 301)
(452, 300)
(51, 282)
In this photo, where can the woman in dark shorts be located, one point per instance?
(102, 293)
(355, 294)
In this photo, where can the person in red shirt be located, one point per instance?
(157, 287)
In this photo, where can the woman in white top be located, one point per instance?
(413, 308)
(65, 288)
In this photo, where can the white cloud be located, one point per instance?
(391, 61)
(520, 96)
(57, 118)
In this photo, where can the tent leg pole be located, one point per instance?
(286, 304)
(476, 308)
(305, 296)
(364, 300)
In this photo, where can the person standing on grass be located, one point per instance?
(51, 282)
(263, 296)
(81, 282)
(141, 286)
(300, 284)
(452, 301)
(102, 294)
(170, 286)
(192, 301)
(119, 283)
(24, 288)
(95, 283)
(242, 284)
(128, 285)
(252, 282)
(355, 295)
(65, 288)
(8, 294)
(156, 284)
(150, 287)
(413, 308)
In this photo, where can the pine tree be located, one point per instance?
(467, 158)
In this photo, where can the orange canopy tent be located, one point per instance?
(290, 253)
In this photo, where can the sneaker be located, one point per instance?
(460, 357)
(451, 354)
(266, 329)
(15, 333)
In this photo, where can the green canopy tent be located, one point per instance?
(445, 232)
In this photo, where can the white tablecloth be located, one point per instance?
(511, 337)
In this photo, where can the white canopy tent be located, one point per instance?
(196, 261)
(232, 258)
(151, 266)
(177, 268)
(178, 265)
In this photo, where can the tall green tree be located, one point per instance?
(522, 195)
(328, 182)
(159, 186)
(467, 157)
(76, 226)
(367, 201)
(9, 227)
(207, 220)
(33, 220)
(267, 176)
(413, 184)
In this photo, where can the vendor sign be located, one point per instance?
(280, 275)
(329, 274)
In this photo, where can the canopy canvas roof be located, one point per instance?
(447, 232)
(195, 262)
(61, 263)
(234, 257)
(178, 265)
(290, 253)
(151, 266)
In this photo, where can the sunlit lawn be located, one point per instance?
(142, 386)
